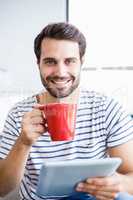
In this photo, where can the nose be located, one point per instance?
(61, 69)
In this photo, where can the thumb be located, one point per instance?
(39, 106)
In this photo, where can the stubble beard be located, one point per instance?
(58, 92)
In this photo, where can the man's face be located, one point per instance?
(59, 66)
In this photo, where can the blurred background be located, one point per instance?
(108, 66)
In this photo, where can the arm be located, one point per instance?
(13, 166)
(109, 187)
(126, 169)
(119, 130)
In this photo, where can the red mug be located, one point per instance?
(61, 120)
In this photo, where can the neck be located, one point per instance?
(46, 97)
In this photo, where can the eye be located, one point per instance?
(50, 62)
(70, 61)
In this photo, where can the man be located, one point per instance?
(102, 129)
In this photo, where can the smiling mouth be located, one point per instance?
(61, 83)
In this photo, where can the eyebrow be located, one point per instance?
(49, 58)
(52, 58)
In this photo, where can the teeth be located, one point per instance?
(61, 83)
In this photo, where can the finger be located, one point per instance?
(98, 197)
(86, 187)
(100, 194)
(38, 120)
(107, 195)
(32, 119)
(39, 106)
(31, 114)
(40, 128)
(35, 112)
(108, 188)
(104, 181)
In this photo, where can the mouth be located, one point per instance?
(61, 83)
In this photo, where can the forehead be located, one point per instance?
(59, 48)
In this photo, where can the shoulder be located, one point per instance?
(97, 101)
(23, 106)
(97, 98)
(93, 97)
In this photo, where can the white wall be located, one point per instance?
(20, 22)
(107, 25)
(114, 83)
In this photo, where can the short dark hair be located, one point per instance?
(60, 31)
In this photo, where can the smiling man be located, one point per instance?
(59, 66)
(103, 128)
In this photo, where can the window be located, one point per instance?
(107, 26)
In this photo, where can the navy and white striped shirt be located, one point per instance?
(101, 123)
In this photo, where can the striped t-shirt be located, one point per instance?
(101, 123)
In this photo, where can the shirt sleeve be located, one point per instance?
(119, 124)
(9, 134)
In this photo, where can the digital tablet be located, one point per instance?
(59, 178)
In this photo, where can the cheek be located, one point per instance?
(46, 72)
(75, 72)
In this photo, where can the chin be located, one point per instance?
(61, 93)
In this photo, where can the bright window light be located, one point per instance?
(107, 25)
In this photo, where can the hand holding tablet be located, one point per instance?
(59, 178)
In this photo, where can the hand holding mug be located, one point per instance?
(33, 125)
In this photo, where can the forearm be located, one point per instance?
(12, 168)
(127, 182)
